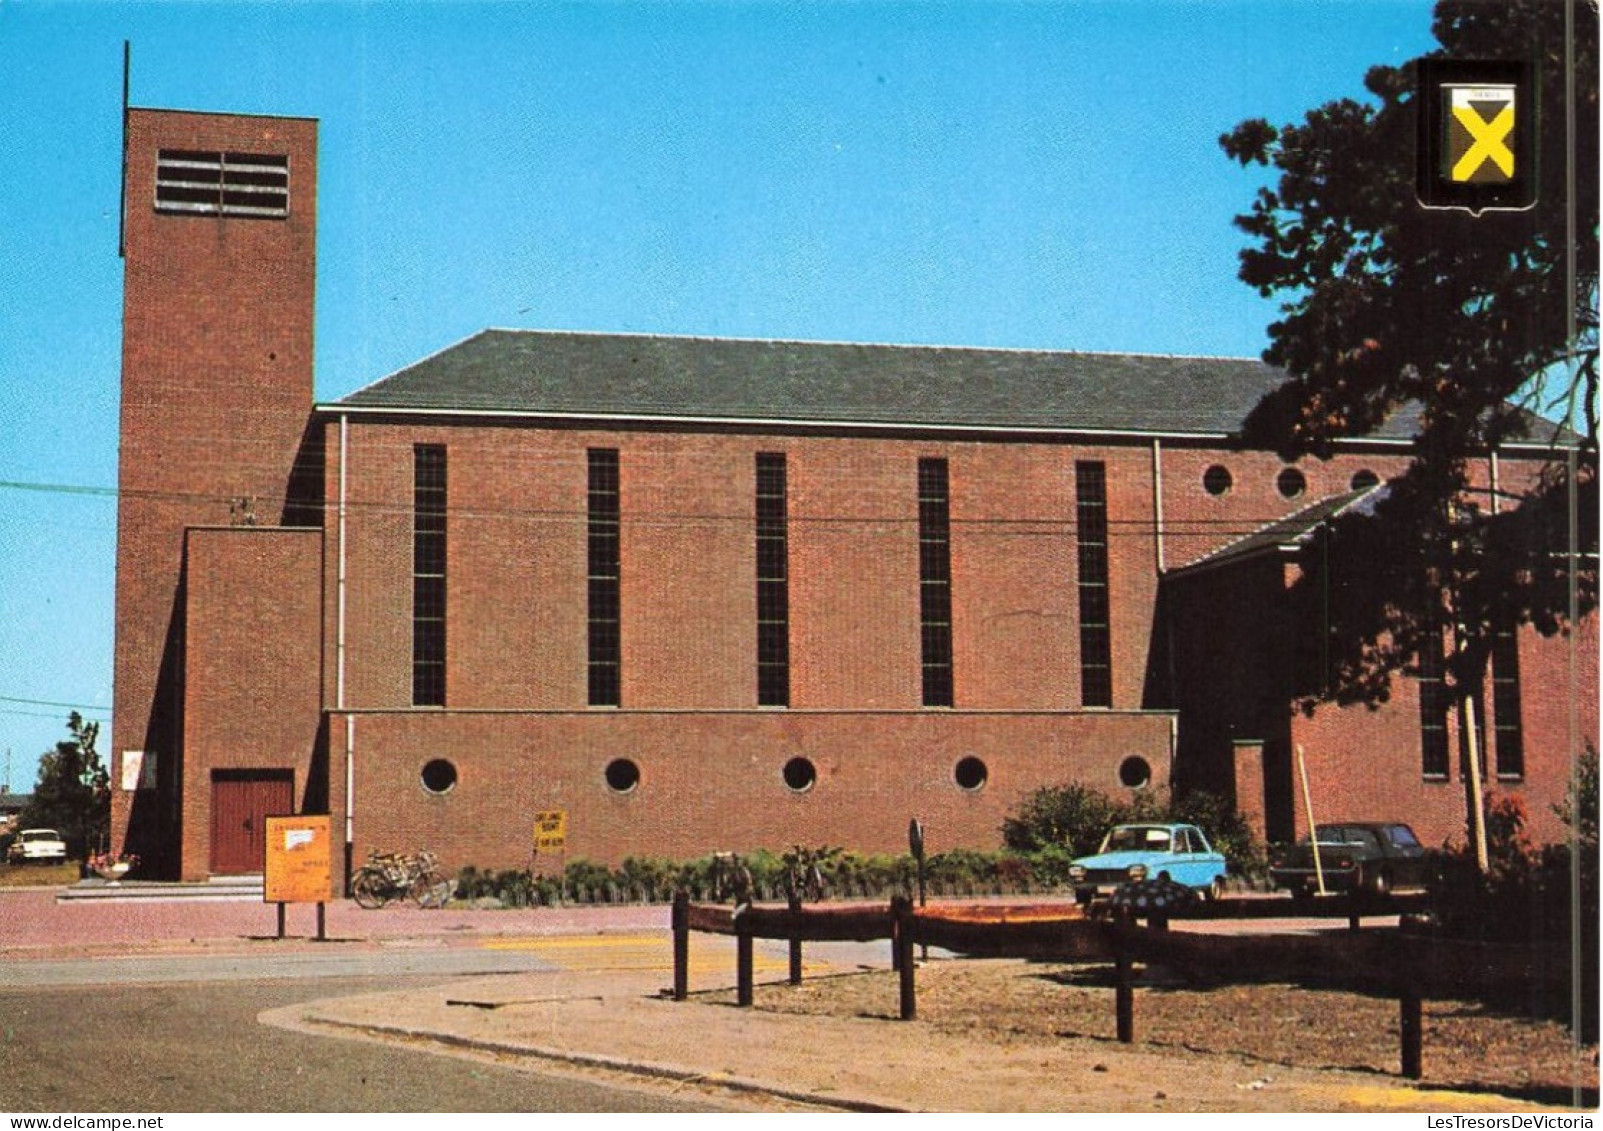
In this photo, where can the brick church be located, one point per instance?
(700, 593)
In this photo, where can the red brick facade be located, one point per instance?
(272, 653)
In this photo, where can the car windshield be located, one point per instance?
(40, 834)
(1129, 838)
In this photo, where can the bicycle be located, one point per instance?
(388, 876)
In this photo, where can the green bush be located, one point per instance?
(1056, 824)
(587, 881)
(1227, 830)
(1072, 816)
(652, 878)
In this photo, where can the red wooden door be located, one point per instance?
(241, 802)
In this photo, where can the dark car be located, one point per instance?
(1371, 856)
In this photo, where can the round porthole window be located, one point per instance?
(1291, 483)
(439, 776)
(1217, 480)
(1135, 772)
(971, 774)
(800, 775)
(622, 775)
(1365, 479)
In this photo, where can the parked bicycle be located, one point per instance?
(389, 876)
(804, 872)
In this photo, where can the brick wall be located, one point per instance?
(252, 669)
(516, 595)
(714, 781)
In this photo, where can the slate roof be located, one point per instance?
(1289, 534)
(727, 380)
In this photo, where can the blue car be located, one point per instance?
(1131, 853)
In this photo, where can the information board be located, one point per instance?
(299, 864)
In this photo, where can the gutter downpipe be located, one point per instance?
(1157, 500)
(339, 659)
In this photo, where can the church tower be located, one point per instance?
(219, 273)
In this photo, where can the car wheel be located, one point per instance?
(1379, 883)
(1215, 890)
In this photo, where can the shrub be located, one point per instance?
(1056, 824)
(1227, 831)
(1064, 816)
(587, 880)
(652, 878)
(962, 867)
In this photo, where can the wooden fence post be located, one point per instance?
(680, 917)
(743, 963)
(795, 941)
(1410, 1013)
(902, 931)
(1123, 990)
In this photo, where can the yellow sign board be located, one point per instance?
(299, 865)
(1479, 128)
(551, 830)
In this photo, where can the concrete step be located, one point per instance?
(217, 889)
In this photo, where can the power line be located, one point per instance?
(52, 703)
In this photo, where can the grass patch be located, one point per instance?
(38, 875)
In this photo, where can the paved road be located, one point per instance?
(179, 1047)
(331, 961)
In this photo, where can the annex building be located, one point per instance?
(703, 594)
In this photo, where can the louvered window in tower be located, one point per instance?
(222, 184)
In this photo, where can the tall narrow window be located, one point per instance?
(606, 640)
(935, 581)
(428, 575)
(1508, 733)
(773, 583)
(1096, 635)
(1433, 708)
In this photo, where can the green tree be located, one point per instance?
(1467, 327)
(73, 793)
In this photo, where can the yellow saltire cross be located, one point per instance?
(1491, 141)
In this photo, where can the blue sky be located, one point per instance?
(1036, 174)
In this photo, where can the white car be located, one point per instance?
(38, 846)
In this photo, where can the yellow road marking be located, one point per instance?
(636, 952)
(575, 942)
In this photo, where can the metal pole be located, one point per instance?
(1571, 328)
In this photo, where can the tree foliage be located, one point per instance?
(73, 793)
(1456, 323)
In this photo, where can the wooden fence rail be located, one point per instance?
(1405, 966)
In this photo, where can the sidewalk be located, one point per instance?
(623, 1021)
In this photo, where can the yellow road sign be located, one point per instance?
(551, 830)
